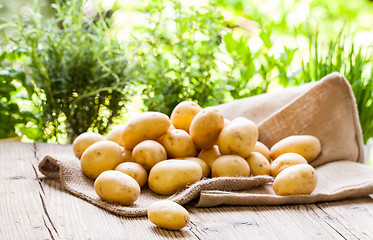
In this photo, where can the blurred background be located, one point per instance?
(70, 66)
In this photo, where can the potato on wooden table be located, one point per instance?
(83, 141)
(168, 214)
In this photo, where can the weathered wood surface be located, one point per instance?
(34, 207)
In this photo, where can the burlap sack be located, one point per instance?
(325, 109)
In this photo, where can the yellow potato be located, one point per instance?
(259, 164)
(99, 157)
(263, 149)
(83, 141)
(306, 145)
(148, 153)
(286, 160)
(183, 114)
(209, 155)
(178, 143)
(117, 187)
(238, 138)
(296, 179)
(230, 166)
(168, 214)
(126, 155)
(170, 176)
(205, 167)
(206, 126)
(145, 126)
(115, 134)
(134, 170)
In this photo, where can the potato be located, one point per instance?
(206, 126)
(259, 164)
(126, 155)
(117, 187)
(134, 170)
(306, 145)
(263, 149)
(170, 176)
(205, 167)
(230, 166)
(238, 138)
(296, 179)
(183, 114)
(284, 161)
(99, 157)
(209, 155)
(178, 143)
(148, 153)
(83, 141)
(168, 214)
(115, 134)
(145, 126)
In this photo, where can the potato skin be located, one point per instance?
(183, 114)
(83, 141)
(259, 164)
(206, 126)
(134, 170)
(238, 138)
(263, 149)
(306, 145)
(148, 153)
(99, 157)
(178, 143)
(209, 155)
(205, 167)
(117, 187)
(286, 160)
(145, 126)
(230, 166)
(115, 134)
(168, 215)
(296, 179)
(170, 176)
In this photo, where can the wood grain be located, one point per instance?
(35, 207)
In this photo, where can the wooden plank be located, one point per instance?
(352, 218)
(21, 203)
(74, 218)
(264, 222)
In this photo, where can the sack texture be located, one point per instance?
(325, 109)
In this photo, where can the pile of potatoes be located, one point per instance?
(169, 153)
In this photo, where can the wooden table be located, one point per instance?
(34, 207)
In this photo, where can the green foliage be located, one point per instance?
(354, 62)
(13, 88)
(176, 55)
(78, 67)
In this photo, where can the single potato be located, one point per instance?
(206, 126)
(115, 134)
(145, 126)
(178, 143)
(134, 170)
(168, 214)
(205, 167)
(148, 153)
(170, 176)
(259, 164)
(83, 141)
(296, 179)
(286, 160)
(209, 155)
(183, 114)
(306, 145)
(230, 166)
(263, 149)
(99, 157)
(117, 187)
(238, 138)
